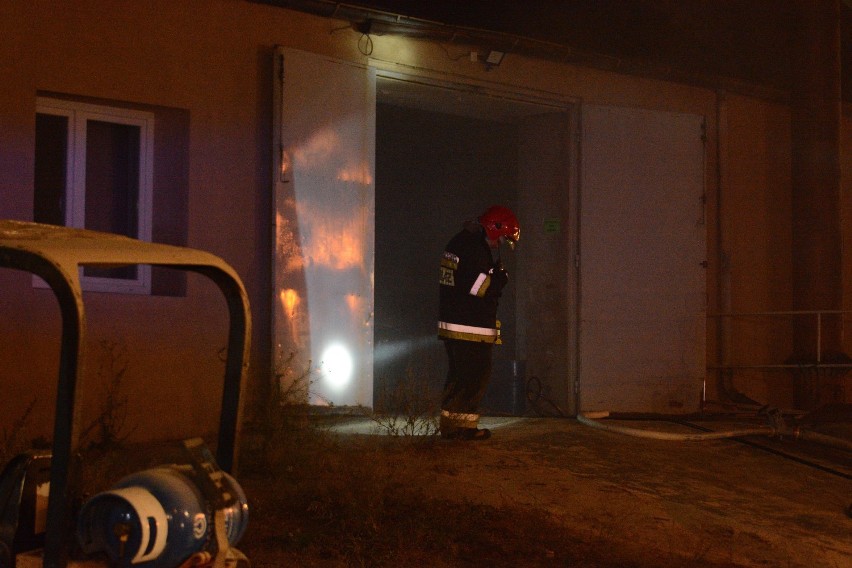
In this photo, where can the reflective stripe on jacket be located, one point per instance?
(469, 332)
(469, 289)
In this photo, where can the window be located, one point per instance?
(94, 170)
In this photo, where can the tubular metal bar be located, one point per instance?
(66, 423)
(818, 313)
(785, 366)
(55, 254)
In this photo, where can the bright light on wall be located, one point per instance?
(337, 366)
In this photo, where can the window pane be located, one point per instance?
(50, 168)
(112, 185)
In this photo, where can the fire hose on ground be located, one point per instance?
(777, 427)
(776, 430)
(589, 419)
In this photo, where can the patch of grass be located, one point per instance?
(351, 503)
(279, 415)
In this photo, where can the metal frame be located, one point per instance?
(815, 364)
(55, 254)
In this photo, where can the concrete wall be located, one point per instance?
(754, 240)
(753, 251)
(212, 59)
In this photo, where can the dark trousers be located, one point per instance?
(468, 375)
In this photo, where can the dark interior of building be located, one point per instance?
(433, 171)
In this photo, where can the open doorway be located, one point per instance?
(444, 154)
(619, 327)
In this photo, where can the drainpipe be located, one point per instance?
(816, 239)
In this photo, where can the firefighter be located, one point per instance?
(472, 279)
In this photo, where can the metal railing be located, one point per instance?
(819, 314)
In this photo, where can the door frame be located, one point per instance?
(567, 402)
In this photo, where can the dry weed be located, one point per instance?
(408, 408)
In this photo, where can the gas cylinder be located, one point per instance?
(157, 518)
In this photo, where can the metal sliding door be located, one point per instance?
(642, 247)
(324, 126)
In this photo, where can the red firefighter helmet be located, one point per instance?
(499, 221)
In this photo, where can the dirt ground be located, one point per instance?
(547, 492)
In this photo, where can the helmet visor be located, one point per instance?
(512, 239)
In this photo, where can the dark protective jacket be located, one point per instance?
(471, 284)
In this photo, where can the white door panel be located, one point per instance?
(324, 226)
(642, 242)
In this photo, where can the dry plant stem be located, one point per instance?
(107, 429)
(407, 409)
(11, 442)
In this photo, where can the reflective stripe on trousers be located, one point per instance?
(469, 332)
(453, 420)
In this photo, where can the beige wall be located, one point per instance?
(212, 58)
(754, 240)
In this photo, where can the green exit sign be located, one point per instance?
(551, 226)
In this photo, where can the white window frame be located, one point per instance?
(78, 114)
